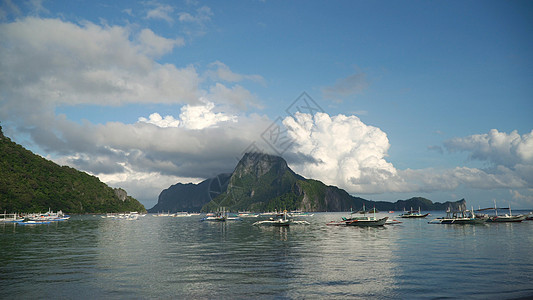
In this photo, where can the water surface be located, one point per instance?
(165, 257)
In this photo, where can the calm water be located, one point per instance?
(164, 257)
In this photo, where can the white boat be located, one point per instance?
(129, 216)
(32, 222)
(181, 214)
(358, 220)
(219, 216)
(9, 218)
(48, 216)
(281, 220)
(503, 218)
(162, 214)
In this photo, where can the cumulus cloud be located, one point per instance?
(496, 147)
(156, 119)
(50, 62)
(236, 96)
(152, 154)
(344, 151)
(501, 150)
(193, 117)
(154, 46)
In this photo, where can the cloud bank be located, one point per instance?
(343, 151)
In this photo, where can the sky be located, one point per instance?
(386, 99)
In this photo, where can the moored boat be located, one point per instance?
(48, 216)
(503, 218)
(32, 222)
(413, 214)
(219, 216)
(356, 220)
(461, 216)
(281, 220)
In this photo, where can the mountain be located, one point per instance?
(31, 183)
(190, 197)
(262, 182)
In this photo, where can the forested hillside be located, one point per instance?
(31, 183)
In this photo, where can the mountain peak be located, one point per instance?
(258, 164)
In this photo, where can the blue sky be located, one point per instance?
(417, 98)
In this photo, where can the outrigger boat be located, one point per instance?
(502, 218)
(461, 216)
(363, 220)
(32, 222)
(413, 214)
(48, 216)
(219, 216)
(281, 220)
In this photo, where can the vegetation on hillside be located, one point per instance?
(31, 183)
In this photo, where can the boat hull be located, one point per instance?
(511, 219)
(378, 222)
(457, 221)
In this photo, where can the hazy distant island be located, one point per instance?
(31, 183)
(262, 182)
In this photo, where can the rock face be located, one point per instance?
(262, 182)
(121, 194)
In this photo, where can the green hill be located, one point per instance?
(262, 182)
(31, 183)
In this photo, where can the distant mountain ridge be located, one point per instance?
(31, 183)
(262, 182)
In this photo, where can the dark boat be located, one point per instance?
(413, 214)
(461, 216)
(363, 220)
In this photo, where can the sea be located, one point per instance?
(89, 257)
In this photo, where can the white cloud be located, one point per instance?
(496, 147)
(512, 152)
(194, 117)
(344, 151)
(202, 116)
(222, 72)
(48, 62)
(155, 46)
(160, 12)
(145, 158)
(236, 96)
(203, 14)
(156, 119)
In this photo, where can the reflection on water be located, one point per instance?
(91, 257)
